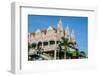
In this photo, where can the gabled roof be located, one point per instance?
(50, 28)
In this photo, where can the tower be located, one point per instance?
(67, 33)
(60, 30)
(72, 35)
(59, 27)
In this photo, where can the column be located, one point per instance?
(55, 53)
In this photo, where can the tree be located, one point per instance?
(60, 51)
(82, 54)
(29, 46)
(64, 45)
(74, 52)
(77, 53)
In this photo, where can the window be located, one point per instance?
(52, 42)
(45, 43)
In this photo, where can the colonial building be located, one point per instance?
(50, 37)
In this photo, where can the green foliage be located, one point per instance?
(70, 51)
(29, 46)
(82, 54)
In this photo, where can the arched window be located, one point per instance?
(33, 45)
(40, 43)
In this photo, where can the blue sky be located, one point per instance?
(76, 23)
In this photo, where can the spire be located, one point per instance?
(60, 22)
(72, 35)
(67, 32)
(60, 25)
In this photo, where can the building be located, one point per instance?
(49, 38)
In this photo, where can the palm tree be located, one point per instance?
(77, 53)
(60, 51)
(64, 44)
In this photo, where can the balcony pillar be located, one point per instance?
(55, 53)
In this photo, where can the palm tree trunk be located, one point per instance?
(64, 54)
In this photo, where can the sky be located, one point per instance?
(76, 23)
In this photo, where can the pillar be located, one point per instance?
(55, 53)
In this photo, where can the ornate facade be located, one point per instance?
(49, 37)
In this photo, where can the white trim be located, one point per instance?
(16, 61)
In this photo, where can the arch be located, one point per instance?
(40, 43)
(33, 45)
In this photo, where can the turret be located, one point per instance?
(72, 35)
(60, 30)
(67, 32)
(60, 27)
